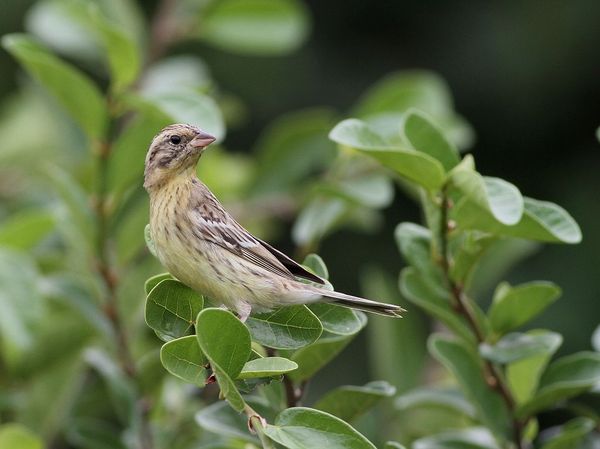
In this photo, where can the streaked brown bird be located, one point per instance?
(206, 249)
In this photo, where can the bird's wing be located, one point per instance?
(225, 232)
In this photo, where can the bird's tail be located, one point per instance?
(366, 305)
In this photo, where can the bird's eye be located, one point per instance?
(175, 139)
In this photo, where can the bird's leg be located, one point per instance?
(243, 310)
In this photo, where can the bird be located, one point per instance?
(205, 248)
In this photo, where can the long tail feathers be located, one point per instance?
(366, 305)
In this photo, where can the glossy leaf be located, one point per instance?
(517, 346)
(175, 72)
(514, 306)
(434, 299)
(472, 248)
(541, 220)
(337, 319)
(317, 219)
(350, 402)
(266, 367)
(467, 369)
(436, 397)
(566, 377)
(25, 229)
(415, 166)
(17, 436)
(285, 328)
(393, 445)
(74, 91)
(496, 197)
(569, 435)
(414, 243)
(255, 27)
(171, 309)
(305, 428)
(155, 280)
(523, 375)
(183, 358)
(471, 438)
(225, 341)
(120, 48)
(369, 190)
(424, 136)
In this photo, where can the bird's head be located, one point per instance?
(174, 150)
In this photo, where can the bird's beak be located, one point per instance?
(202, 140)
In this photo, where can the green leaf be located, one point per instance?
(424, 136)
(292, 147)
(255, 27)
(370, 190)
(155, 280)
(72, 89)
(349, 402)
(25, 229)
(285, 328)
(517, 346)
(225, 341)
(498, 198)
(413, 165)
(126, 163)
(267, 367)
(448, 399)
(337, 319)
(21, 304)
(393, 445)
(311, 359)
(176, 72)
(120, 48)
(17, 436)
(472, 246)
(183, 358)
(471, 438)
(433, 299)
(414, 243)
(171, 309)
(315, 263)
(318, 218)
(514, 306)
(468, 370)
(596, 339)
(186, 106)
(120, 388)
(569, 435)
(567, 377)
(541, 220)
(523, 376)
(305, 428)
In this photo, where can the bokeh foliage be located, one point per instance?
(81, 368)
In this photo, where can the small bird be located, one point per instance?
(206, 249)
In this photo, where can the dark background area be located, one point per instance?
(526, 75)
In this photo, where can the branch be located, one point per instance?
(461, 305)
(256, 424)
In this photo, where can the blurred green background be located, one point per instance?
(526, 75)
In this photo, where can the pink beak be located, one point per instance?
(202, 139)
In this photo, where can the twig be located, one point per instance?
(256, 423)
(461, 305)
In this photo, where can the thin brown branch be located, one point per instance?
(461, 304)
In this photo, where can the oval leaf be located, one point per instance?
(155, 280)
(171, 309)
(415, 166)
(305, 428)
(184, 359)
(337, 319)
(517, 346)
(473, 438)
(255, 27)
(72, 89)
(467, 369)
(452, 400)
(17, 436)
(267, 367)
(567, 377)
(424, 136)
(349, 402)
(285, 328)
(514, 306)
